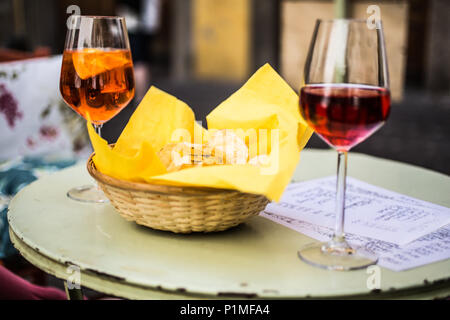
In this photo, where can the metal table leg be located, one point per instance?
(73, 294)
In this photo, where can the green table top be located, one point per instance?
(255, 260)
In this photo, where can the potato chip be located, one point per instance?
(228, 147)
(182, 155)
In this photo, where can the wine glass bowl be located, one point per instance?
(98, 82)
(345, 98)
(344, 115)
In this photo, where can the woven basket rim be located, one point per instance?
(149, 187)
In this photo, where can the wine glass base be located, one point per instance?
(88, 193)
(328, 256)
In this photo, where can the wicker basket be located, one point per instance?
(178, 209)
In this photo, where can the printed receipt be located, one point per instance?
(404, 232)
(370, 211)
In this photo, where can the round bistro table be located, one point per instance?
(257, 259)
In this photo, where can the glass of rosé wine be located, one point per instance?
(97, 79)
(345, 98)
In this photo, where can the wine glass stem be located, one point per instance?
(339, 235)
(98, 129)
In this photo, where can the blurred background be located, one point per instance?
(202, 51)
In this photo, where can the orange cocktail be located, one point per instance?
(98, 82)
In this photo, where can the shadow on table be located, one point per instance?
(244, 230)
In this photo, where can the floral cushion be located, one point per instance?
(34, 119)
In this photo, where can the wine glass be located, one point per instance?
(97, 79)
(345, 98)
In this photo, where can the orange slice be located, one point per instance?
(91, 62)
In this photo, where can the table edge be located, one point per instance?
(110, 285)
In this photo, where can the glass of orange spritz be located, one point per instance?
(97, 79)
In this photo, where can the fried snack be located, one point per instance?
(228, 147)
(178, 156)
(223, 147)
